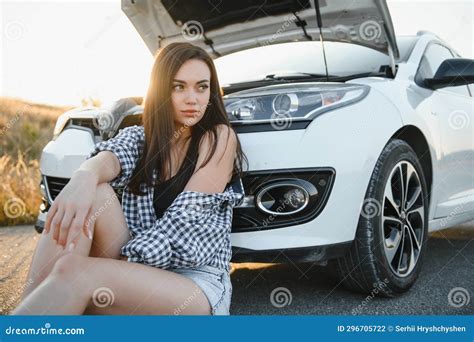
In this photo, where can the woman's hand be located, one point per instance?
(70, 212)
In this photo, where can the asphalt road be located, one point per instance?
(299, 289)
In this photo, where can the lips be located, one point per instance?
(189, 112)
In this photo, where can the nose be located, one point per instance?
(191, 97)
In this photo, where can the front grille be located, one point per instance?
(87, 123)
(55, 185)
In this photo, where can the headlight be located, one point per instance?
(300, 101)
(60, 123)
(89, 117)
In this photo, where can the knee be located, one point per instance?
(105, 197)
(68, 266)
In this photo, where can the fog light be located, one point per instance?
(43, 191)
(285, 197)
(295, 198)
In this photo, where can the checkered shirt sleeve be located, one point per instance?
(189, 233)
(127, 146)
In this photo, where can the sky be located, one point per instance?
(59, 52)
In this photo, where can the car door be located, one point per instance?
(453, 106)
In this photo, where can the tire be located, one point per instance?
(385, 259)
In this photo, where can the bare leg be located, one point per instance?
(110, 234)
(115, 287)
(111, 230)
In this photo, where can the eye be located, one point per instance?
(203, 87)
(178, 87)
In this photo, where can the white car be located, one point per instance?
(356, 150)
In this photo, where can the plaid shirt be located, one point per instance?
(193, 231)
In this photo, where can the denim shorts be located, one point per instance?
(215, 283)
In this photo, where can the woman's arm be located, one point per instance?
(111, 161)
(214, 176)
(69, 211)
(102, 168)
(74, 202)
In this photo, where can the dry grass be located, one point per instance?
(25, 128)
(20, 197)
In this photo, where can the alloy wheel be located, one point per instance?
(403, 219)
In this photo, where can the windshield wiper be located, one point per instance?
(294, 76)
(275, 79)
(364, 74)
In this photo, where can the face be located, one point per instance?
(190, 93)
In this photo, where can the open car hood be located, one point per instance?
(225, 26)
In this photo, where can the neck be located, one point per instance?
(181, 134)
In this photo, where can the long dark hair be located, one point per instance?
(159, 124)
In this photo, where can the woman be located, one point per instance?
(166, 248)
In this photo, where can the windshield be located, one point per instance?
(343, 59)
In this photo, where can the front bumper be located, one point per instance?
(287, 255)
(248, 220)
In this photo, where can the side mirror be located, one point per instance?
(452, 72)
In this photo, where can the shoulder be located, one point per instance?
(226, 133)
(226, 139)
(131, 134)
(215, 162)
(134, 130)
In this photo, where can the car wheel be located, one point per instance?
(387, 252)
